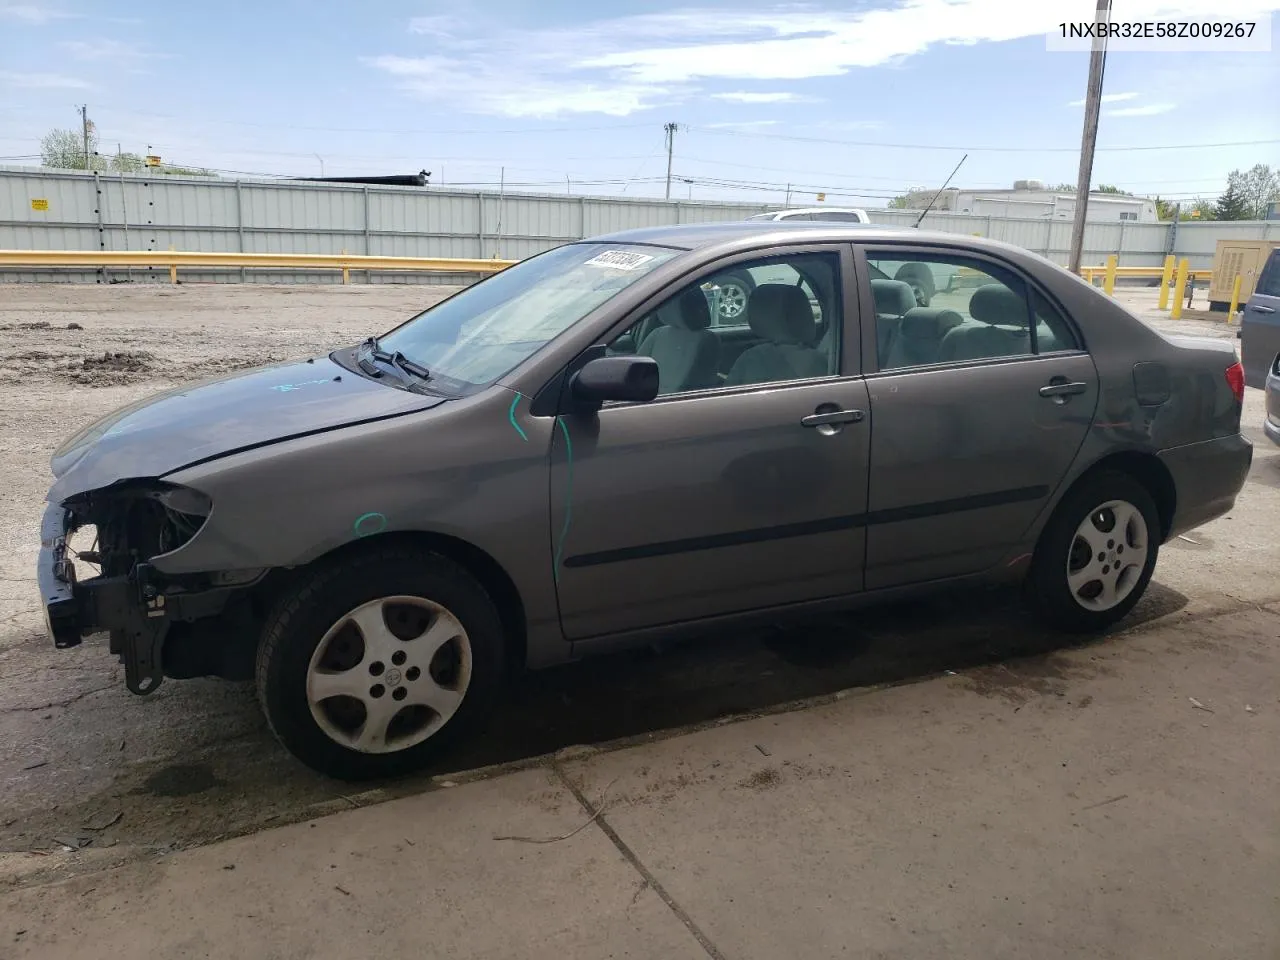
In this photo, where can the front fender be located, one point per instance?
(475, 469)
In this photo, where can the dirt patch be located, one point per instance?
(762, 779)
(1020, 681)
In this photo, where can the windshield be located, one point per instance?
(476, 336)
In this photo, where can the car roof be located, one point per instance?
(755, 233)
(791, 210)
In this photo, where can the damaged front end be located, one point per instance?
(139, 606)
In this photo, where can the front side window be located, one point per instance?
(478, 335)
(770, 321)
(948, 309)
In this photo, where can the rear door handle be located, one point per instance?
(835, 416)
(1063, 389)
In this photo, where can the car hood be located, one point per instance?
(214, 418)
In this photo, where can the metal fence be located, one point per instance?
(68, 210)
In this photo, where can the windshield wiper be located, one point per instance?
(398, 360)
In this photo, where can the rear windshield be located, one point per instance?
(476, 336)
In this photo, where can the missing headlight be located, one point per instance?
(139, 521)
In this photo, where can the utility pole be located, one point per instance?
(84, 129)
(1092, 107)
(670, 130)
(787, 202)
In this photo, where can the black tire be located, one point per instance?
(1047, 584)
(320, 600)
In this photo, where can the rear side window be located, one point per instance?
(942, 308)
(1052, 330)
(1269, 282)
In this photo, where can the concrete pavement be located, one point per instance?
(1074, 804)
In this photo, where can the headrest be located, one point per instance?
(928, 322)
(893, 297)
(996, 304)
(691, 311)
(781, 313)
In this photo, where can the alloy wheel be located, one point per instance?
(389, 674)
(1107, 555)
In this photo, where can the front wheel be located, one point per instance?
(1097, 554)
(372, 666)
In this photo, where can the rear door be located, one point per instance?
(1260, 325)
(976, 415)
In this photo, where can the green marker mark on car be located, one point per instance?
(511, 415)
(367, 524)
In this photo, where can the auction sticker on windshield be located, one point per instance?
(619, 260)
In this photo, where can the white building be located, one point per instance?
(1030, 199)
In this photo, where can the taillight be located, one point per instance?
(1235, 380)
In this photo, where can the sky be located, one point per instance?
(860, 99)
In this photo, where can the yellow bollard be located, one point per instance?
(173, 269)
(1166, 278)
(1235, 299)
(1109, 279)
(1179, 288)
(346, 271)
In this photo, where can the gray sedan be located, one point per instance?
(584, 452)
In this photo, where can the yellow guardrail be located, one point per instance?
(1139, 273)
(173, 260)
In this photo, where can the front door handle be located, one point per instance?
(834, 416)
(1063, 388)
(1259, 308)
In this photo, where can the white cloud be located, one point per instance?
(1108, 98)
(620, 65)
(41, 81)
(745, 96)
(500, 89)
(32, 13)
(1147, 110)
(743, 125)
(105, 50)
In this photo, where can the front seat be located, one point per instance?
(781, 315)
(920, 335)
(688, 354)
(1003, 328)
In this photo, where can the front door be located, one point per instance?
(737, 488)
(977, 413)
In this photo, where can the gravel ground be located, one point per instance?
(82, 760)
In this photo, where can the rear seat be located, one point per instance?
(919, 336)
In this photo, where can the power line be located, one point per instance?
(390, 131)
(960, 147)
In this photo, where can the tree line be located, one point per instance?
(65, 150)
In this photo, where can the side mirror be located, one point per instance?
(633, 379)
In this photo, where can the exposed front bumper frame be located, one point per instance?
(137, 608)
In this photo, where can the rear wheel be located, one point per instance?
(1096, 555)
(375, 665)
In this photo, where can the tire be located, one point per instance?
(735, 291)
(432, 640)
(1062, 586)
